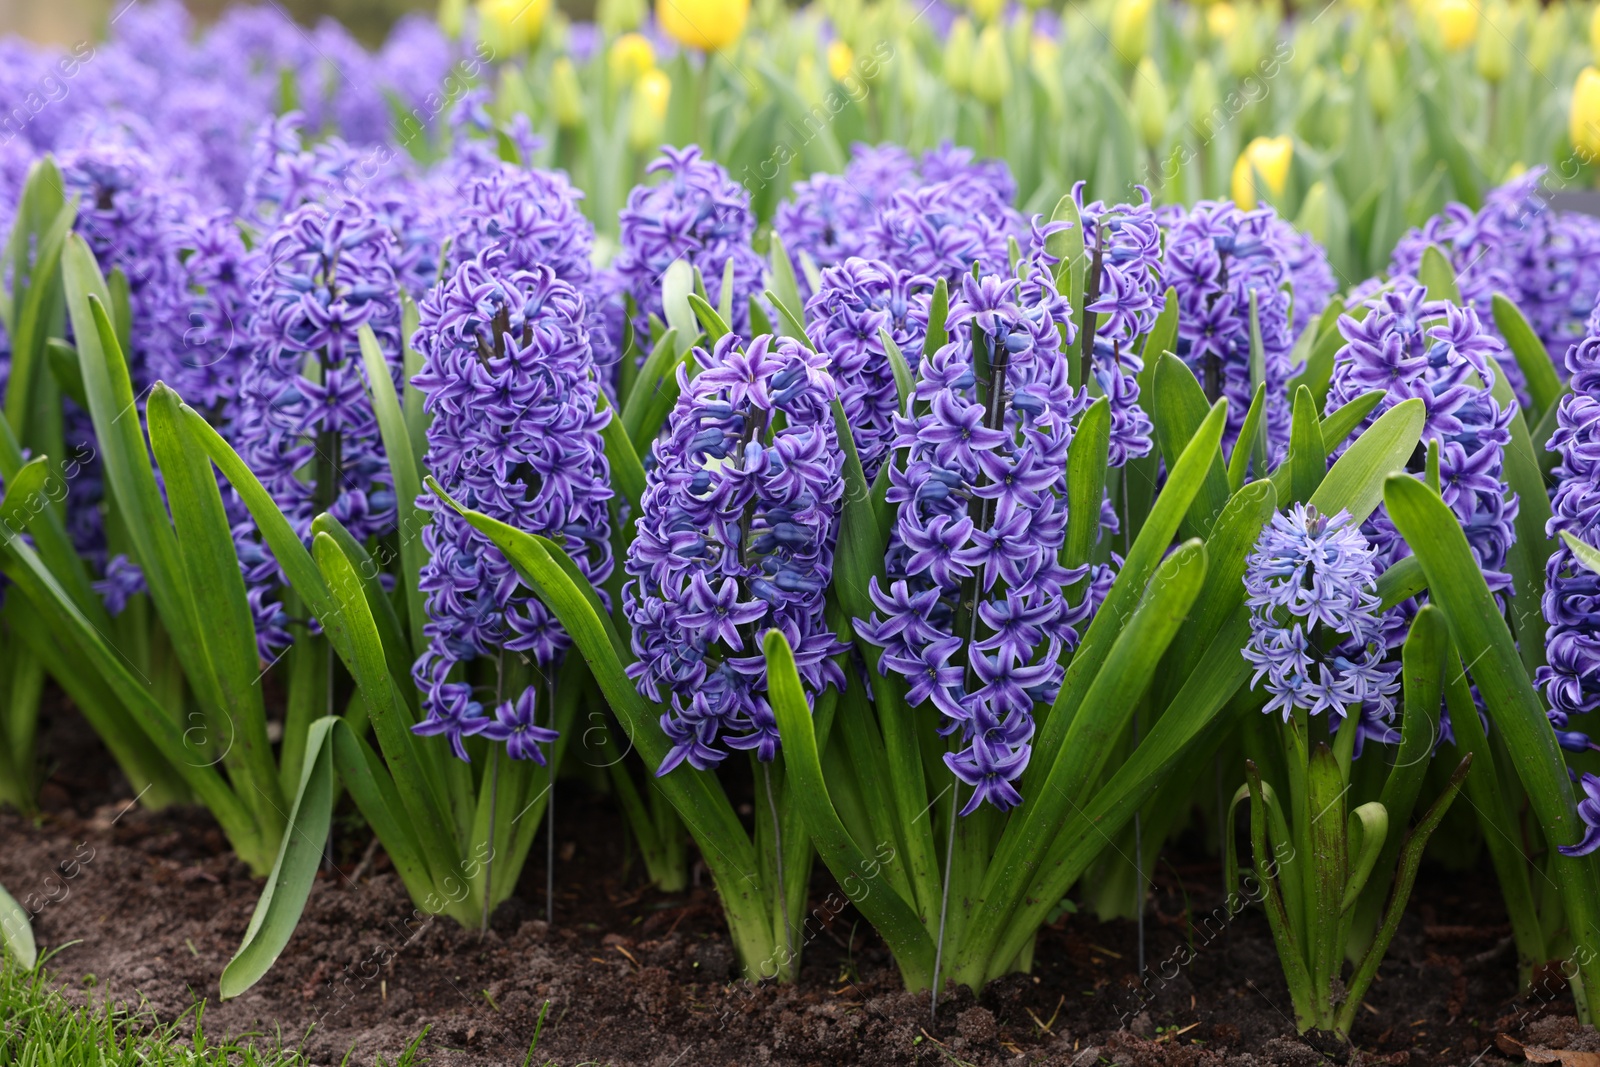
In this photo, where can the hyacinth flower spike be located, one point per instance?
(1317, 652)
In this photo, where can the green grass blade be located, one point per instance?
(1239, 462)
(1087, 459)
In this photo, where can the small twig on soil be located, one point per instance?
(366, 860)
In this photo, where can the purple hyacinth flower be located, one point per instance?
(740, 517)
(1589, 812)
(695, 213)
(1315, 634)
(514, 724)
(509, 378)
(1217, 256)
(978, 607)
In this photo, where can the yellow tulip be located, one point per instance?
(1043, 53)
(630, 56)
(566, 96)
(647, 113)
(841, 57)
(1382, 81)
(991, 67)
(510, 27)
(1130, 29)
(705, 25)
(1493, 56)
(958, 55)
(1584, 120)
(1263, 163)
(1221, 20)
(1457, 21)
(1150, 104)
(986, 11)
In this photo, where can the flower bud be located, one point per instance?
(1204, 100)
(986, 11)
(1262, 168)
(991, 67)
(1457, 21)
(841, 57)
(566, 97)
(704, 25)
(510, 27)
(1130, 28)
(647, 112)
(1244, 42)
(1150, 104)
(958, 48)
(620, 16)
(1221, 20)
(1383, 84)
(1584, 119)
(1315, 211)
(1493, 57)
(1546, 41)
(630, 56)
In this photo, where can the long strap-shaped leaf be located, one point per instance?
(16, 933)
(403, 466)
(1128, 669)
(1455, 583)
(130, 477)
(698, 798)
(1146, 555)
(211, 570)
(857, 872)
(1532, 547)
(283, 898)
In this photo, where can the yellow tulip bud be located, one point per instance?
(509, 27)
(647, 112)
(986, 11)
(841, 57)
(451, 16)
(620, 16)
(704, 25)
(1044, 54)
(630, 56)
(1150, 104)
(1584, 119)
(1244, 42)
(1493, 56)
(1547, 40)
(1221, 20)
(566, 97)
(1457, 21)
(1383, 84)
(1130, 29)
(1205, 103)
(1314, 213)
(958, 48)
(1263, 167)
(991, 67)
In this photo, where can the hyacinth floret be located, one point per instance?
(1125, 240)
(1571, 602)
(1551, 256)
(855, 304)
(1412, 347)
(1589, 812)
(1316, 639)
(695, 213)
(1217, 256)
(736, 537)
(531, 216)
(978, 477)
(510, 382)
(942, 229)
(216, 273)
(305, 425)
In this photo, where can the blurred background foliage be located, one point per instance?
(68, 21)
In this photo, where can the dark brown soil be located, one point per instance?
(626, 976)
